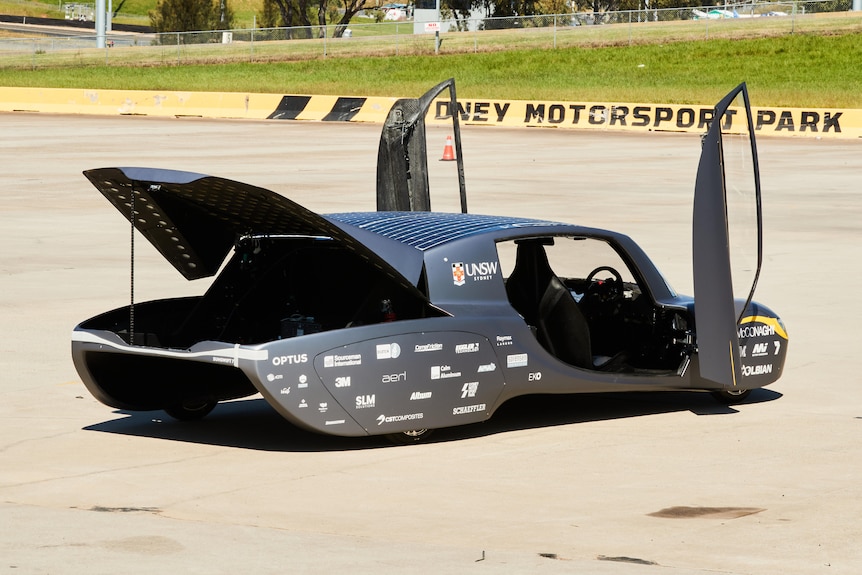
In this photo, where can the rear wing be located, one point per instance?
(402, 157)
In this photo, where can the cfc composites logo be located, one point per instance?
(398, 418)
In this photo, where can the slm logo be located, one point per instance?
(365, 401)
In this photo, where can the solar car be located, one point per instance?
(404, 320)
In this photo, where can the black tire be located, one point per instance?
(191, 409)
(731, 396)
(409, 437)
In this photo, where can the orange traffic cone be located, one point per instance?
(448, 152)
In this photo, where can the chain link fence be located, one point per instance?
(456, 36)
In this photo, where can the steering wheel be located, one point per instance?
(608, 289)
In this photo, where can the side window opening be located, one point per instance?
(585, 306)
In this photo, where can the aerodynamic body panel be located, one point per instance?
(715, 310)
(194, 220)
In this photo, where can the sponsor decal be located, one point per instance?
(534, 376)
(365, 401)
(417, 395)
(467, 347)
(270, 377)
(487, 368)
(285, 391)
(468, 409)
(770, 326)
(396, 418)
(504, 340)
(443, 372)
(394, 377)
(747, 331)
(303, 381)
(760, 349)
(469, 389)
(217, 359)
(482, 271)
(422, 348)
(343, 381)
(322, 407)
(388, 351)
(302, 404)
(756, 369)
(334, 422)
(516, 360)
(458, 273)
(342, 360)
(476, 271)
(290, 359)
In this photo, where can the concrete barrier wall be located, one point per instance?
(805, 122)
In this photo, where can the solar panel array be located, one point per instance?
(426, 230)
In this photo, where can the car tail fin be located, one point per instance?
(402, 157)
(727, 232)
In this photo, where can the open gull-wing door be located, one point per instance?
(727, 232)
(402, 157)
(194, 220)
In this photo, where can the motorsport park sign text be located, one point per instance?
(644, 117)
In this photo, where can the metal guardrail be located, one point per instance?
(458, 35)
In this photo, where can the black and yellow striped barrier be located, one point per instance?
(805, 122)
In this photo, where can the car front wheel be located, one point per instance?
(731, 396)
(408, 437)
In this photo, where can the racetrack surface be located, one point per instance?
(632, 483)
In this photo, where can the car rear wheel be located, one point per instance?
(408, 437)
(731, 396)
(191, 409)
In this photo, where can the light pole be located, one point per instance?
(100, 23)
(437, 31)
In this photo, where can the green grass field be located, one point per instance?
(817, 65)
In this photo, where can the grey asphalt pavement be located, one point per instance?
(632, 483)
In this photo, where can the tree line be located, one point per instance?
(310, 16)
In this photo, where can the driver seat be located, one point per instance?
(544, 302)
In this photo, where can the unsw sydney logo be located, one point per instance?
(481, 271)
